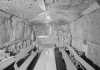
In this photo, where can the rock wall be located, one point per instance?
(21, 8)
(5, 30)
(86, 35)
(94, 37)
(79, 32)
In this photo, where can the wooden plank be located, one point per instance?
(69, 64)
(6, 62)
(24, 52)
(28, 61)
(83, 62)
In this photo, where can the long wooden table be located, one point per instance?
(69, 64)
(83, 62)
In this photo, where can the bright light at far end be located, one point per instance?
(45, 16)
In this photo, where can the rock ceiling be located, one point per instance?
(21, 8)
(30, 8)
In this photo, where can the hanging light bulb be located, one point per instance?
(45, 16)
(41, 5)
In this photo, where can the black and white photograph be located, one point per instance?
(49, 34)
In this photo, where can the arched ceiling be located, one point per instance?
(31, 8)
(21, 8)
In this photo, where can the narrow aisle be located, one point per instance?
(60, 63)
(28, 61)
(46, 60)
(33, 62)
